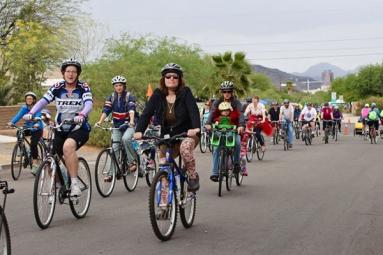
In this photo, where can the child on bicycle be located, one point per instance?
(122, 105)
(35, 128)
(48, 123)
(226, 115)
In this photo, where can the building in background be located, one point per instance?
(327, 78)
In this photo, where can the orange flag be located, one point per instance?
(149, 92)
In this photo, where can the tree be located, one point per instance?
(31, 50)
(34, 35)
(234, 68)
(140, 60)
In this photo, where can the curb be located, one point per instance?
(5, 167)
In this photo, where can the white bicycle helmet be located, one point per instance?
(118, 79)
(226, 85)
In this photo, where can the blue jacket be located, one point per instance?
(24, 109)
(120, 107)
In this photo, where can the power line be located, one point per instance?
(328, 56)
(293, 42)
(328, 49)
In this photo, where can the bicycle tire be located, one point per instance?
(40, 189)
(221, 169)
(5, 233)
(150, 174)
(260, 153)
(153, 213)
(203, 142)
(277, 138)
(86, 183)
(16, 169)
(229, 172)
(249, 149)
(188, 206)
(131, 186)
(102, 170)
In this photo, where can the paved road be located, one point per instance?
(326, 199)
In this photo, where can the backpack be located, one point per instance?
(113, 98)
(372, 115)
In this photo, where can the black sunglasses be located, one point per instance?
(226, 91)
(175, 77)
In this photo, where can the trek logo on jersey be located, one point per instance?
(71, 102)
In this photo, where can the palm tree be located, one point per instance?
(234, 68)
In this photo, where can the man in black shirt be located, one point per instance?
(274, 115)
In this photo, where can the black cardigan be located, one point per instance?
(185, 108)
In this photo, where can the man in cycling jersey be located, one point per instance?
(327, 116)
(74, 103)
(308, 116)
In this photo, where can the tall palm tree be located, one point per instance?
(235, 68)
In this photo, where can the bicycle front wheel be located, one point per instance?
(17, 161)
(260, 152)
(104, 174)
(80, 206)
(131, 176)
(44, 194)
(229, 172)
(203, 142)
(5, 237)
(187, 206)
(222, 171)
(150, 173)
(249, 149)
(163, 216)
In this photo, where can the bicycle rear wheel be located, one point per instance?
(163, 218)
(5, 237)
(44, 194)
(187, 207)
(203, 142)
(249, 149)
(17, 161)
(80, 206)
(104, 175)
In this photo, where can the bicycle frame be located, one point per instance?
(169, 167)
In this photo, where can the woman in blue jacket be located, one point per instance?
(35, 128)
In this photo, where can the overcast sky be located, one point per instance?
(290, 35)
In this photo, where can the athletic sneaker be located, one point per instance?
(75, 190)
(35, 169)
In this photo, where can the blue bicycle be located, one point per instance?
(168, 193)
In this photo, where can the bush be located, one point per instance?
(97, 136)
(377, 100)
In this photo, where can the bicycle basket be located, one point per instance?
(215, 138)
(230, 139)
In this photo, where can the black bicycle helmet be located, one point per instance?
(172, 68)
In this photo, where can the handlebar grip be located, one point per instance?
(10, 191)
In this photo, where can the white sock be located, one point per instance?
(73, 180)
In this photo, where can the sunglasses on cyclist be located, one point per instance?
(226, 91)
(175, 77)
